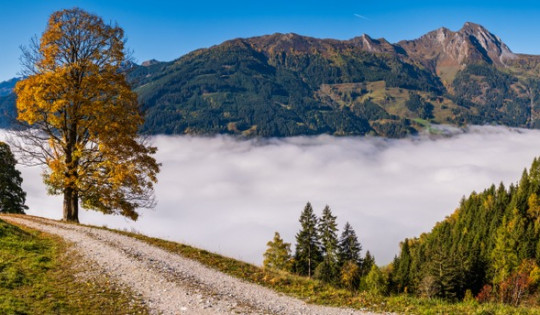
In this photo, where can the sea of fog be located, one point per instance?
(230, 196)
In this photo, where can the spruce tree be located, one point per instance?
(278, 254)
(327, 271)
(308, 248)
(367, 263)
(12, 196)
(392, 276)
(349, 248)
(327, 229)
(402, 270)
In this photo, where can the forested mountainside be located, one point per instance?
(490, 245)
(287, 84)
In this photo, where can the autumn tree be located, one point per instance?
(278, 254)
(12, 196)
(84, 117)
(308, 248)
(375, 281)
(513, 289)
(504, 255)
(350, 275)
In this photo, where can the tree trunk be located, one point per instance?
(71, 192)
(309, 261)
(71, 205)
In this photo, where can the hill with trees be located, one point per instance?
(287, 84)
(488, 248)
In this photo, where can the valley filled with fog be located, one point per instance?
(230, 196)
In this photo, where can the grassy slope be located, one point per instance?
(32, 266)
(316, 292)
(391, 99)
(37, 277)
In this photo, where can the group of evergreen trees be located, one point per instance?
(319, 253)
(488, 248)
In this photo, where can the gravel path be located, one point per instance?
(169, 283)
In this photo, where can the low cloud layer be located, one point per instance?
(229, 196)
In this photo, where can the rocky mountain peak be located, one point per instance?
(443, 50)
(491, 44)
(150, 62)
(367, 43)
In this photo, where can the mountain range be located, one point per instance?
(288, 84)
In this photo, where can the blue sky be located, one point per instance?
(165, 30)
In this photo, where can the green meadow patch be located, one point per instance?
(39, 274)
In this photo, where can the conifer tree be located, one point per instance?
(327, 271)
(308, 248)
(327, 229)
(392, 281)
(12, 196)
(349, 248)
(446, 274)
(367, 263)
(403, 268)
(278, 254)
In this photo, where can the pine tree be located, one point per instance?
(327, 271)
(403, 267)
(308, 248)
(349, 248)
(327, 229)
(12, 196)
(367, 263)
(278, 254)
(447, 277)
(392, 276)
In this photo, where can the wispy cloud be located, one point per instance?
(230, 195)
(361, 17)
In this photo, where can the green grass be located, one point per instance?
(314, 291)
(39, 275)
(36, 277)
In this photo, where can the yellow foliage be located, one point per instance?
(534, 276)
(80, 99)
(350, 275)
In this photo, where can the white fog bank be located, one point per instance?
(229, 196)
